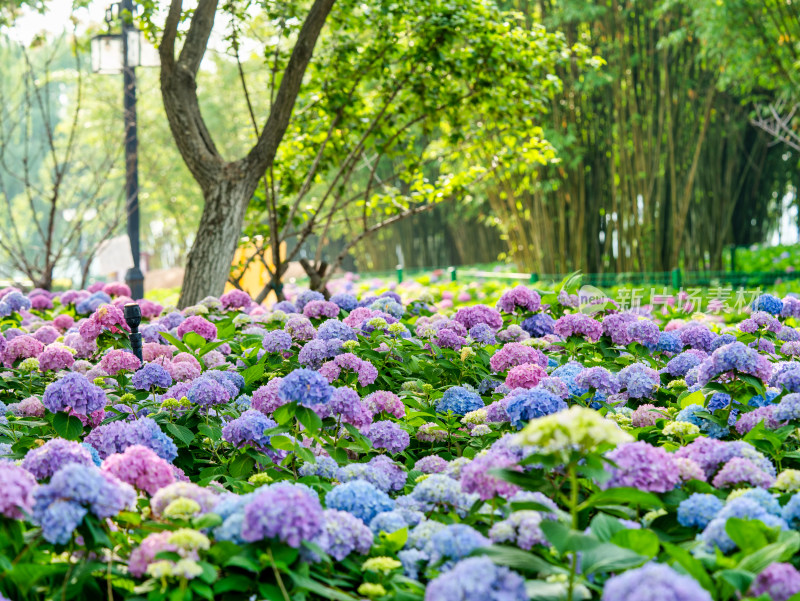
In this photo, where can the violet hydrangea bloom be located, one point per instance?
(235, 299)
(60, 505)
(654, 581)
(540, 324)
(475, 476)
(152, 375)
(734, 357)
(300, 328)
(55, 357)
(385, 401)
(643, 466)
(779, 581)
(46, 460)
(469, 317)
(265, 398)
(740, 470)
(598, 378)
(477, 579)
(639, 380)
(74, 391)
(204, 497)
(520, 297)
(248, 428)
(388, 435)
(276, 341)
(319, 309)
(16, 491)
(342, 534)
(21, 347)
(288, 512)
(515, 353)
(119, 435)
(578, 324)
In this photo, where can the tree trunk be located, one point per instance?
(209, 262)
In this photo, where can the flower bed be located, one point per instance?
(352, 448)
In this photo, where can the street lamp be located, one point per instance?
(122, 52)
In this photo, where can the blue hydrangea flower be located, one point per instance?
(722, 340)
(715, 534)
(306, 296)
(347, 302)
(711, 429)
(669, 342)
(524, 405)
(769, 303)
(119, 435)
(76, 391)
(362, 499)
(342, 534)
(388, 522)
(333, 328)
(540, 324)
(567, 373)
(249, 429)
(459, 400)
(483, 334)
(90, 304)
(654, 581)
(698, 510)
(454, 542)
(325, 467)
(306, 387)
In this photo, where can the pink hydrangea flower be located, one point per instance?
(141, 468)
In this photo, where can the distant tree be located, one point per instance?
(56, 202)
(396, 97)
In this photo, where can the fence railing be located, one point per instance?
(676, 278)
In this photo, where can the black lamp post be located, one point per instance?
(115, 53)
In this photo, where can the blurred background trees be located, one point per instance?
(681, 144)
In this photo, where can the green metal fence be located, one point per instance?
(676, 278)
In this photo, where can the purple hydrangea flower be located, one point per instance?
(578, 324)
(654, 581)
(16, 491)
(520, 297)
(289, 512)
(46, 460)
(779, 581)
(249, 428)
(639, 380)
(342, 534)
(152, 375)
(388, 435)
(477, 579)
(469, 317)
(74, 391)
(277, 341)
(119, 435)
(643, 466)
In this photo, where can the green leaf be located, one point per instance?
(538, 590)
(206, 520)
(694, 398)
(522, 561)
(749, 535)
(182, 433)
(194, 340)
(788, 544)
(692, 566)
(281, 443)
(175, 342)
(254, 372)
(241, 466)
(235, 582)
(212, 432)
(210, 347)
(607, 557)
(643, 542)
(284, 413)
(320, 589)
(565, 539)
(738, 579)
(305, 454)
(604, 526)
(623, 496)
(396, 539)
(67, 426)
(308, 418)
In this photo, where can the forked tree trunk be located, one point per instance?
(209, 262)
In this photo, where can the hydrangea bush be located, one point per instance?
(375, 446)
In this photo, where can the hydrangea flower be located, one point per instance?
(779, 581)
(515, 353)
(44, 461)
(16, 491)
(523, 405)
(76, 392)
(342, 534)
(520, 297)
(359, 498)
(698, 510)
(289, 512)
(521, 528)
(141, 468)
(305, 386)
(388, 435)
(152, 375)
(459, 400)
(475, 476)
(654, 581)
(248, 428)
(60, 506)
(119, 435)
(643, 466)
